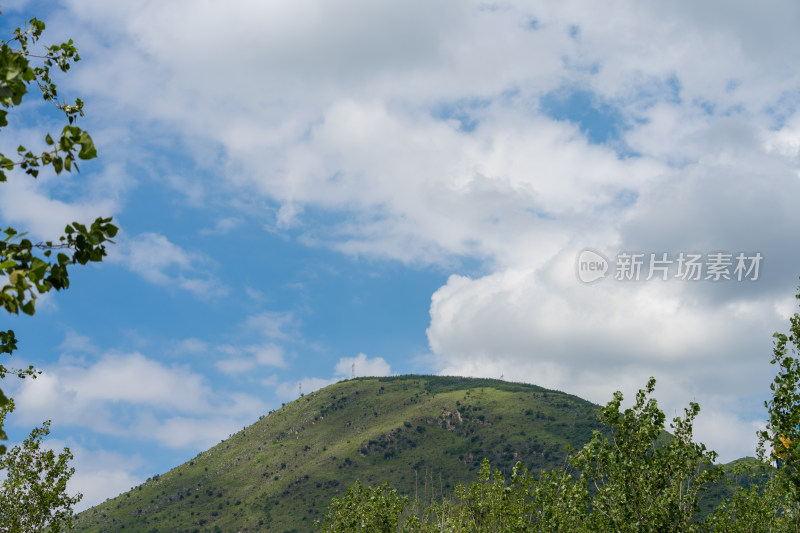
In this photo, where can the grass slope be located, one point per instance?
(423, 434)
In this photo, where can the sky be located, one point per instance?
(309, 189)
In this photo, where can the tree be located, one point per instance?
(644, 479)
(33, 497)
(371, 509)
(782, 434)
(551, 502)
(761, 507)
(28, 268)
(773, 504)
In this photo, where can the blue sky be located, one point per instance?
(404, 187)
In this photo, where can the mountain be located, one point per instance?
(423, 434)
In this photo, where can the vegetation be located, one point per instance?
(34, 496)
(782, 434)
(33, 491)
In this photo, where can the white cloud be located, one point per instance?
(115, 377)
(408, 184)
(149, 254)
(130, 395)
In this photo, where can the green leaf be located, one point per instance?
(88, 150)
(37, 270)
(28, 307)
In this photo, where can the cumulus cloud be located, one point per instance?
(116, 377)
(131, 395)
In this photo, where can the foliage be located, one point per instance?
(551, 502)
(16, 73)
(641, 485)
(773, 505)
(33, 496)
(370, 509)
(782, 433)
(760, 508)
(30, 269)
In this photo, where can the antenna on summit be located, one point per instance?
(300, 389)
(353, 371)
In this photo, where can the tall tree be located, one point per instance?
(644, 479)
(780, 441)
(33, 496)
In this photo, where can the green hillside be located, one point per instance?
(423, 434)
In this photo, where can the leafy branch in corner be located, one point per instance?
(16, 73)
